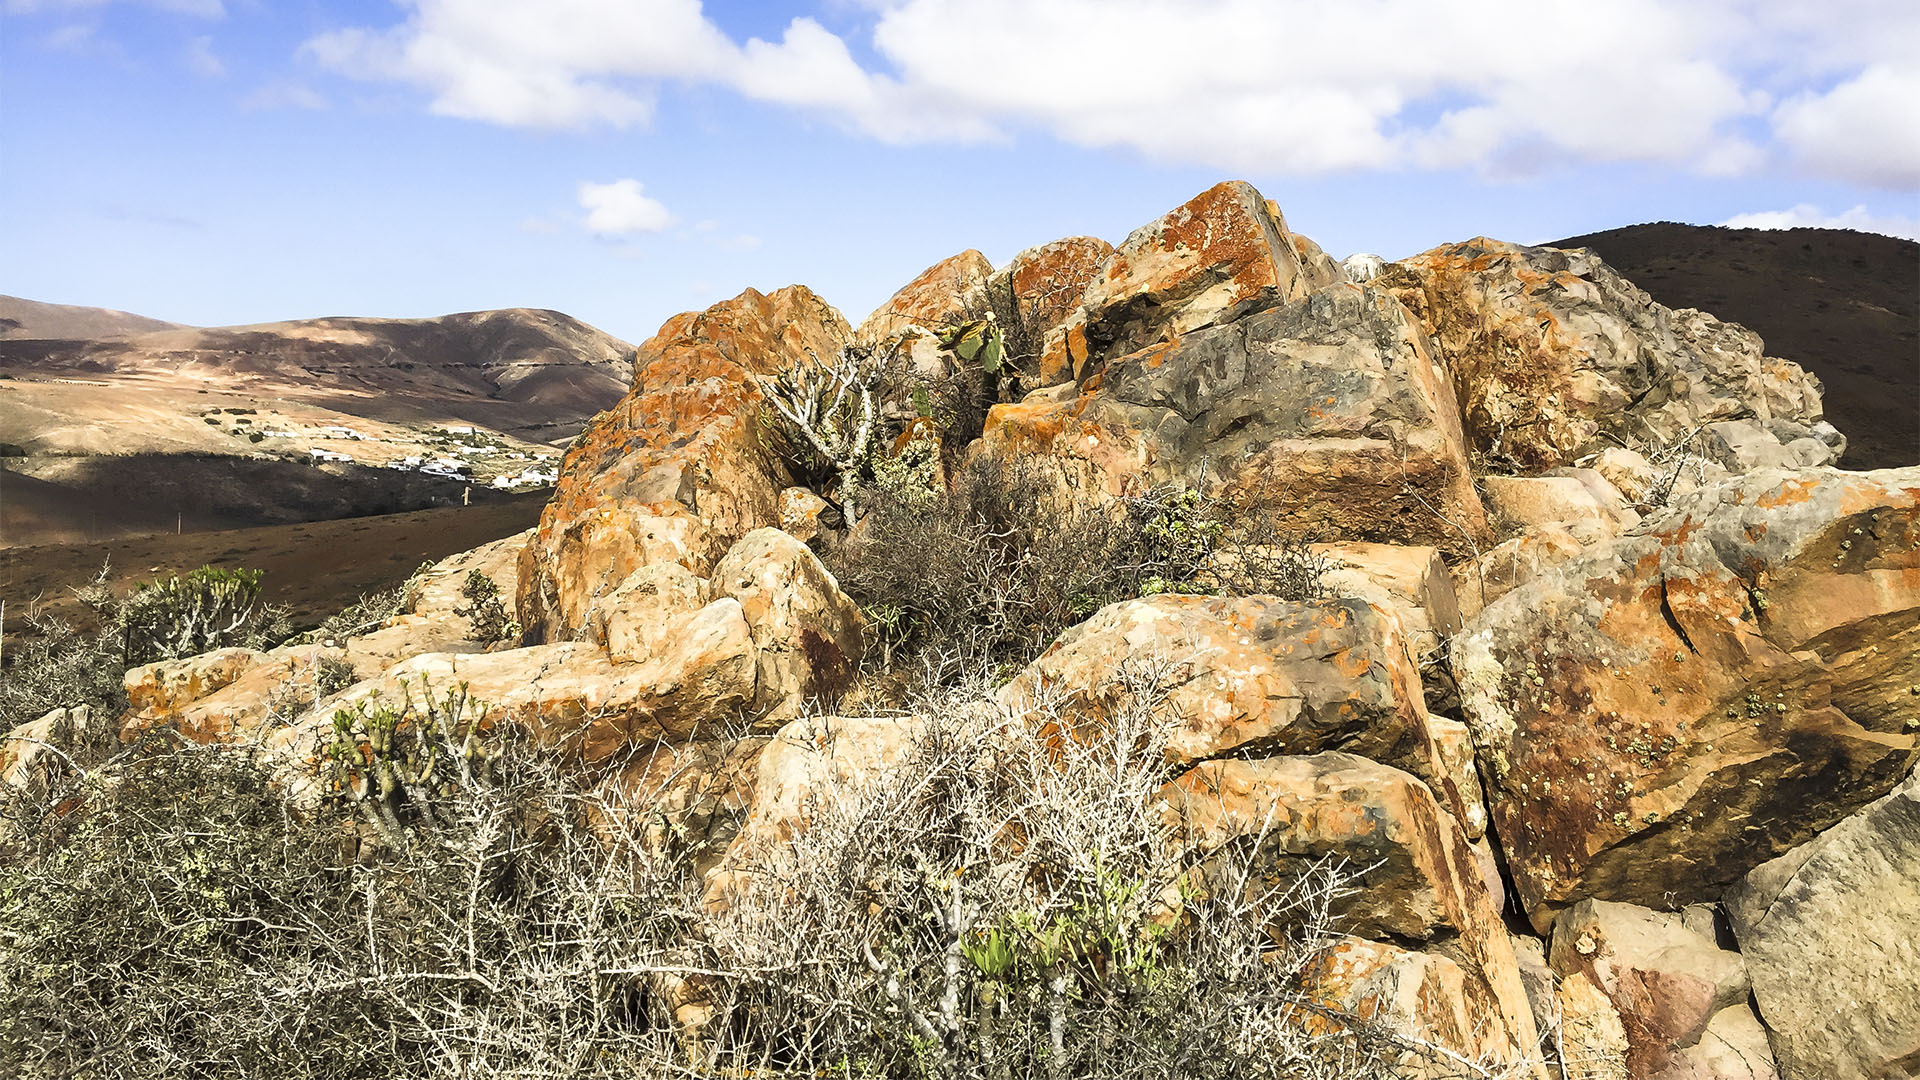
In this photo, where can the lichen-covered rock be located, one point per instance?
(807, 634)
(1040, 289)
(1248, 676)
(1421, 880)
(640, 618)
(1666, 982)
(160, 691)
(1410, 581)
(1661, 715)
(677, 470)
(23, 748)
(1329, 409)
(953, 290)
(1221, 254)
(800, 513)
(1551, 348)
(1831, 934)
(1422, 995)
(1571, 496)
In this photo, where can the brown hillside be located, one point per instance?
(1844, 305)
(21, 318)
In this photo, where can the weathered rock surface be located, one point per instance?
(1549, 348)
(1831, 934)
(952, 290)
(1329, 408)
(1423, 995)
(1733, 1047)
(806, 633)
(1039, 289)
(1660, 716)
(159, 691)
(640, 617)
(818, 758)
(1573, 496)
(1593, 1041)
(1223, 253)
(685, 797)
(676, 470)
(1424, 883)
(210, 700)
(1665, 981)
(25, 747)
(1249, 676)
(1410, 581)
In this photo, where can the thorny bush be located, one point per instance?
(993, 901)
(992, 569)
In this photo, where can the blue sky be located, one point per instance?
(226, 161)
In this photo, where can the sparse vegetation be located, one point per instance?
(56, 664)
(486, 610)
(996, 904)
(995, 568)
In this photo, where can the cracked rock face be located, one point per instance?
(675, 471)
(1331, 408)
(1831, 934)
(1551, 348)
(1661, 715)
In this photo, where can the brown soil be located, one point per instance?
(1844, 305)
(315, 569)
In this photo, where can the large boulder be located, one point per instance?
(1248, 676)
(23, 749)
(807, 634)
(953, 290)
(677, 470)
(1733, 1047)
(1411, 581)
(1831, 934)
(1221, 254)
(1421, 995)
(1039, 290)
(1552, 352)
(1666, 982)
(161, 690)
(1329, 409)
(1661, 715)
(1419, 880)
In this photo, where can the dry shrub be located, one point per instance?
(998, 565)
(999, 902)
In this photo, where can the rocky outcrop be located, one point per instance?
(1420, 995)
(1039, 290)
(23, 749)
(1660, 716)
(675, 471)
(1410, 581)
(1831, 934)
(1666, 982)
(1329, 408)
(1551, 349)
(1247, 676)
(953, 290)
(159, 691)
(806, 633)
(229, 693)
(1421, 881)
(1220, 255)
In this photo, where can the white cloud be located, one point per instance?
(1866, 128)
(284, 95)
(1292, 86)
(620, 207)
(201, 59)
(1808, 216)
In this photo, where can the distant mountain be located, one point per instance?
(32, 319)
(1844, 305)
(190, 428)
(527, 373)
